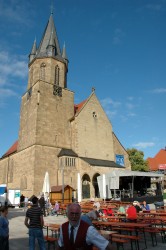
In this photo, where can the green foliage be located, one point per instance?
(137, 161)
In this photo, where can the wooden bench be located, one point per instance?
(130, 237)
(50, 241)
(119, 242)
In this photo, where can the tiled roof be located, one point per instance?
(58, 189)
(160, 158)
(77, 107)
(11, 150)
(67, 152)
(101, 163)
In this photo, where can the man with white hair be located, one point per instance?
(77, 234)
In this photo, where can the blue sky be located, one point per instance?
(116, 46)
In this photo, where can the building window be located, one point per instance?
(29, 93)
(94, 114)
(70, 162)
(42, 71)
(56, 82)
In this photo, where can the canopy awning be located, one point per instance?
(121, 173)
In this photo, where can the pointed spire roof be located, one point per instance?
(52, 40)
(34, 48)
(64, 54)
(49, 36)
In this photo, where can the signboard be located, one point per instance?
(17, 194)
(162, 166)
(120, 160)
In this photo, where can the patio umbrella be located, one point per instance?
(46, 184)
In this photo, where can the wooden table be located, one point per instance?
(52, 226)
(119, 225)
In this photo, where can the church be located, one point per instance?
(74, 143)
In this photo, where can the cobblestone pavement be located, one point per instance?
(19, 233)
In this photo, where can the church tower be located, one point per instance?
(47, 106)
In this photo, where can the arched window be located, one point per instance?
(57, 75)
(42, 71)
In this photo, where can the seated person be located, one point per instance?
(137, 206)
(131, 213)
(110, 212)
(104, 212)
(145, 206)
(55, 209)
(121, 210)
(91, 215)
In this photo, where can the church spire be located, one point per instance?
(51, 48)
(64, 54)
(49, 36)
(33, 51)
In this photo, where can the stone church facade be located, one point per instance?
(73, 143)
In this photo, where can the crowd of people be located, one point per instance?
(77, 233)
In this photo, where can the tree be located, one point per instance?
(137, 161)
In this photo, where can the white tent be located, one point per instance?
(46, 184)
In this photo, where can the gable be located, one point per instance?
(11, 150)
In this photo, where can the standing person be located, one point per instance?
(4, 229)
(77, 234)
(34, 222)
(42, 204)
(22, 197)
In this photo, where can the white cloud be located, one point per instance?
(16, 11)
(130, 106)
(159, 90)
(107, 102)
(155, 7)
(144, 144)
(11, 67)
(130, 98)
(7, 92)
(118, 36)
(131, 114)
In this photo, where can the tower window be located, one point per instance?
(29, 93)
(42, 71)
(56, 75)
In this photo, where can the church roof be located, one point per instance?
(78, 107)
(67, 152)
(159, 159)
(49, 33)
(101, 163)
(48, 40)
(11, 150)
